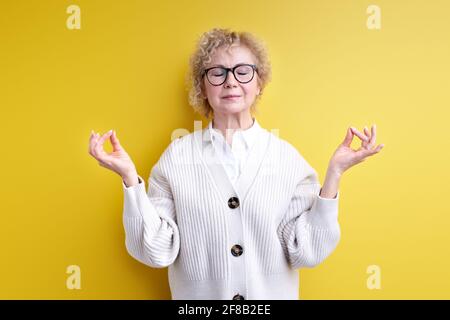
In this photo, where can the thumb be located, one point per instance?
(348, 138)
(115, 142)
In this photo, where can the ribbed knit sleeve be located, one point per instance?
(151, 233)
(309, 231)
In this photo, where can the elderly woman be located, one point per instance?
(232, 209)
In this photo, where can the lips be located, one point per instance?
(230, 96)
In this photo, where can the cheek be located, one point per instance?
(209, 90)
(250, 90)
(213, 92)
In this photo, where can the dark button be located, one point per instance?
(233, 202)
(238, 297)
(236, 250)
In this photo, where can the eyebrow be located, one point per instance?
(221, 65)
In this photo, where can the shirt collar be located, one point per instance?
(249, 135)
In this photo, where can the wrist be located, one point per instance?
(130, 173)
(333, 172)
(131, 179)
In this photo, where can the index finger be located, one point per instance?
(359, 134)
(101, 141)
(92, 141)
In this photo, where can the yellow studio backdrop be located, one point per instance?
(124, 69)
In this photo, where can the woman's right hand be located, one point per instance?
(118, 160)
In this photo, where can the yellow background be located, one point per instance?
(125, 68)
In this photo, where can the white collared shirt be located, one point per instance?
(234, 157)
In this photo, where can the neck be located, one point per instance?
(227, 124)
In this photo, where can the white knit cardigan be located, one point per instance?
(186, 221)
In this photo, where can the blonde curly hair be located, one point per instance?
(207, 45)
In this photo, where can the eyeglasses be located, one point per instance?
(243, 73)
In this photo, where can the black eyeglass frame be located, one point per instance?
(227, 70)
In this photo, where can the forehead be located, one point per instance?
(231, 57)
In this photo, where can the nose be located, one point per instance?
(230, 80)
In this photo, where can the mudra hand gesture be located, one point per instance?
(345, 157)
(118, 160)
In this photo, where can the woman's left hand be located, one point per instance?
(345, 157)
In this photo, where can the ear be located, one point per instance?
(259, 88)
